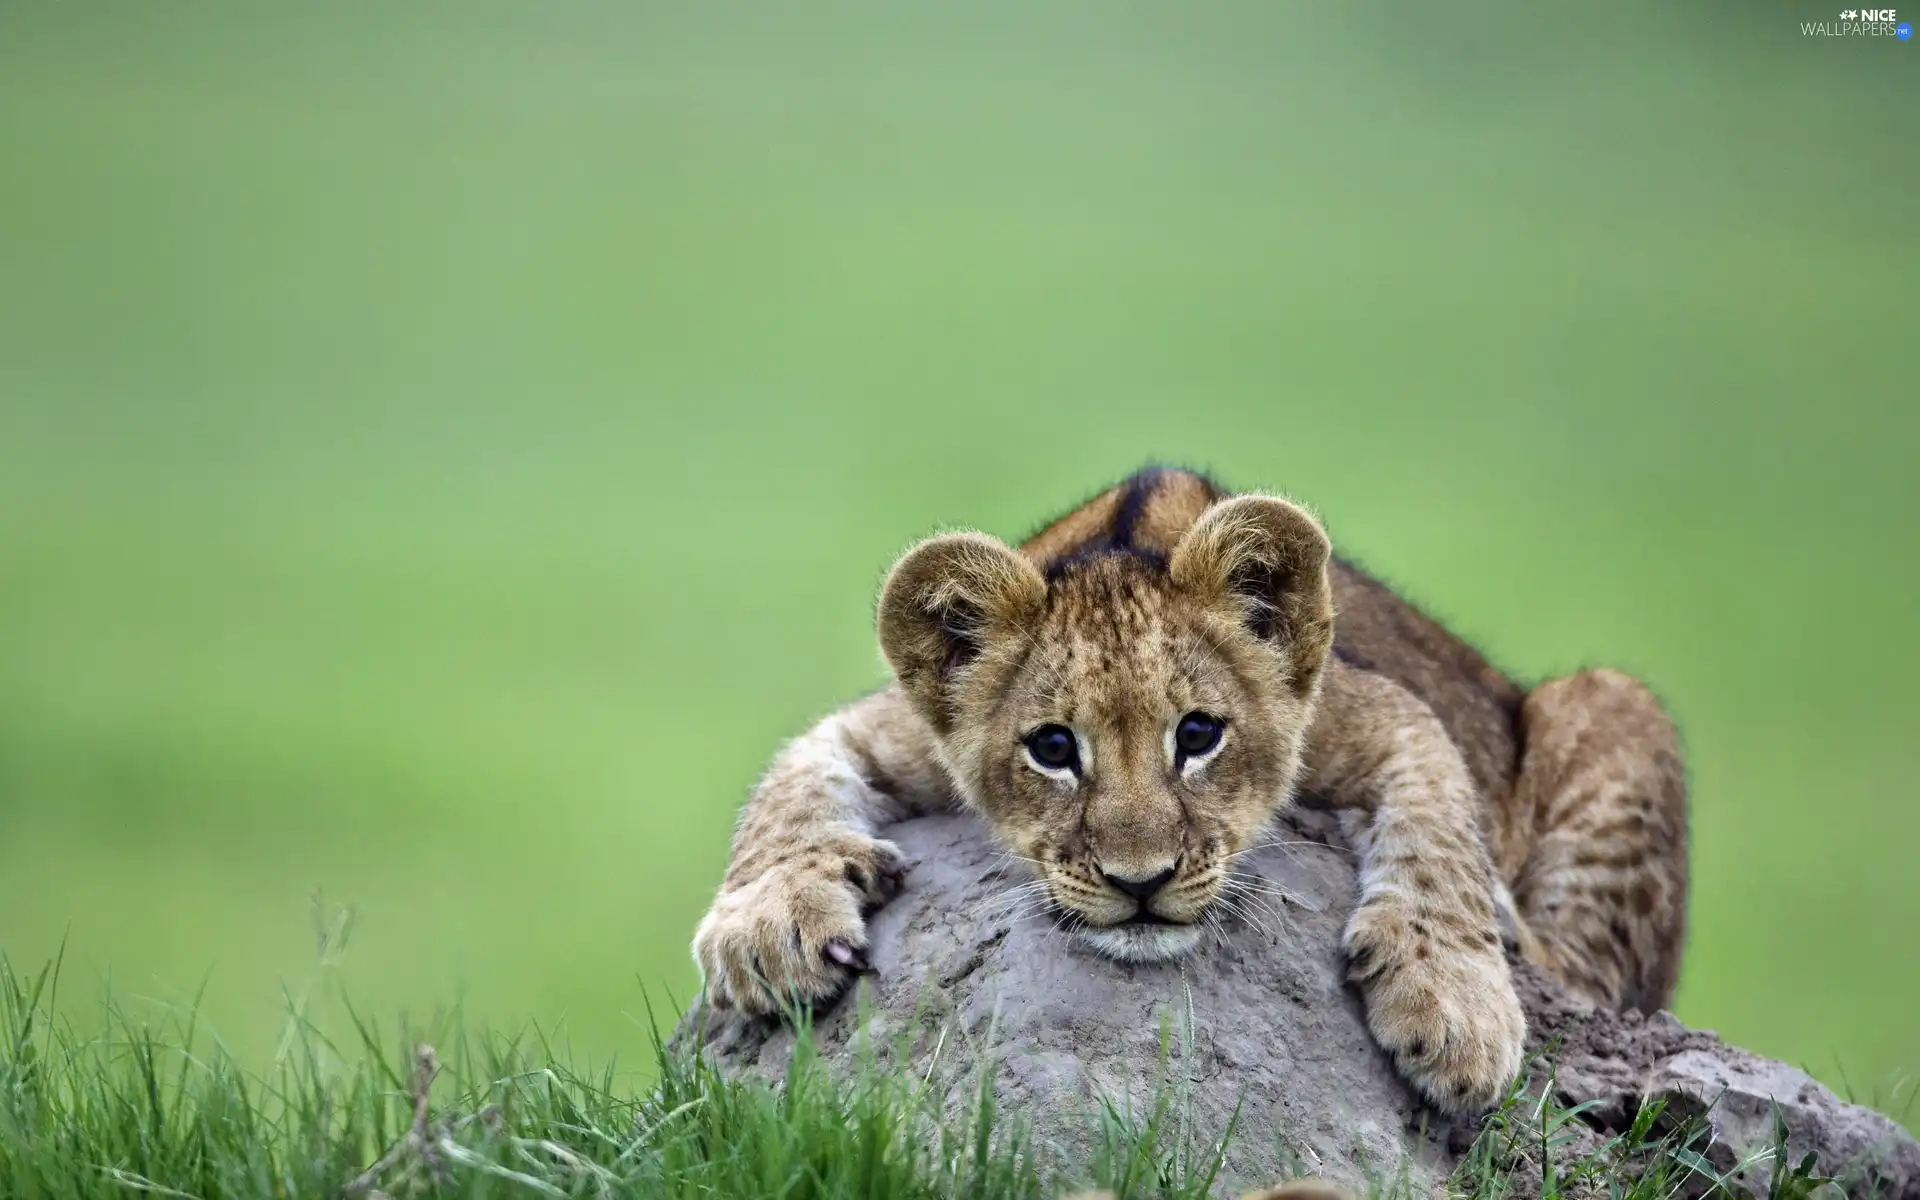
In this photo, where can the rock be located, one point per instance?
(1740, 1091)
(1260, 1022)
(1620, 1061)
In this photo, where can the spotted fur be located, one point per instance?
(1477, 809)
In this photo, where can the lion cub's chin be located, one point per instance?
(1142, 943)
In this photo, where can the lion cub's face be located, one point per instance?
(1134, 750)
(1127, 725)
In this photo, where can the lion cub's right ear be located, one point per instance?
(946, 601)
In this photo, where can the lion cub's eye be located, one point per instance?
(1053, 747)
(1196, 734)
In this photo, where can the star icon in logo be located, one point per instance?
(1848, 15)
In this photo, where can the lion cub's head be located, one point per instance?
(1129, 720)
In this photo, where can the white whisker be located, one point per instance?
(1238, 907)
(1248, 884)
(1288, 844)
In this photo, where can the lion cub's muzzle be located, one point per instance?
(1137, 916)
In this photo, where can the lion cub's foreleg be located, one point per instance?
(1595, 839)
(1424, 939)
(789, 924)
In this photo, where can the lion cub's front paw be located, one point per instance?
(1440, 999)
(798, 932)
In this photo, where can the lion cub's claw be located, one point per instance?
(797, 935)
(1444, 1008)
(879, 877)
(853, 958)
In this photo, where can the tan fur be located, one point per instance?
(1462, 794)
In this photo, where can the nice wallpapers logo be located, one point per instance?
(1860, 22)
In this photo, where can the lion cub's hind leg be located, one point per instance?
(1603, 885)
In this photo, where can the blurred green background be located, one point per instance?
(445, 448)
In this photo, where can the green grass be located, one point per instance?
(150, 1103)
(445, 448)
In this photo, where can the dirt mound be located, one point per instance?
(1260, 1022)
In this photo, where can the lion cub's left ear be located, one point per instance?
(1269, 558)
(944, 603)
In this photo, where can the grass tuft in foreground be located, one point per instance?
(157, 1107)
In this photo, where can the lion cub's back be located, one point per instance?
(1145, 514)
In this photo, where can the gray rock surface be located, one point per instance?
(1260, 1021)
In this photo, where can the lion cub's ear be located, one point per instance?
(944, 602)
(1269, 558)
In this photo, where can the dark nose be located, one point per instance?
(1140, 889)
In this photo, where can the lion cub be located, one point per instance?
(1130, 697)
